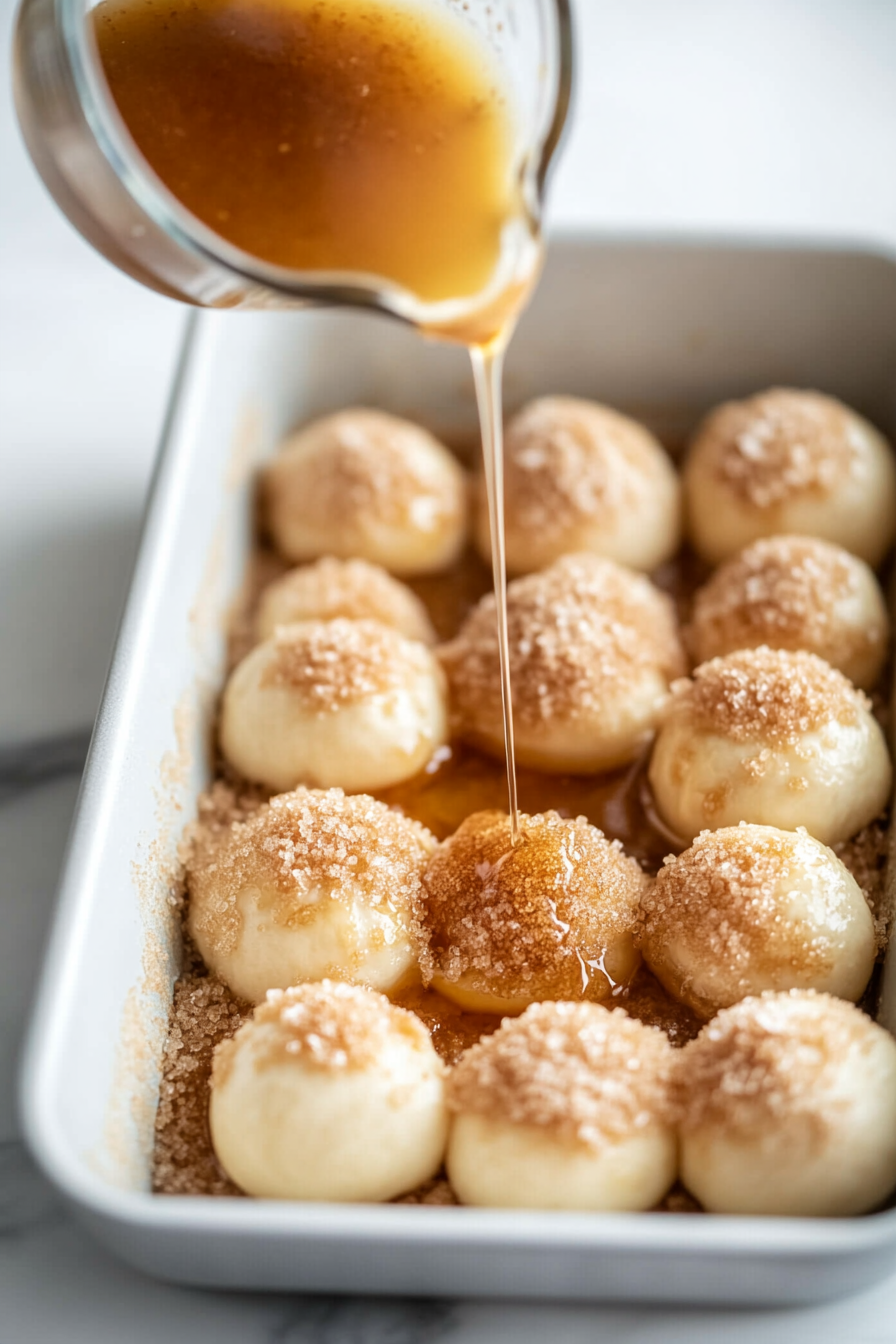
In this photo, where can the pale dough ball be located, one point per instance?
(774, 737)
(593, 648)
(581, 477)
(313, 884)
(751, 908)
(328, 1093)
(350, 588)
(788, 1106)
(795, 593)
(552, 917)
(566, 1107)
(345, 704)
(361, 483)
(788, 461)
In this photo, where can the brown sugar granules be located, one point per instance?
(767, 1060)
(327, 1024)
(770, 695)
(568, 461)
(720, 903)
(789, 593)
(364, 470)
(203, 1014)
(302, 847)
(332, 664)
(580, 1070)
(436, 1191)
(577, 630)
(352, 589)
(865, 855)
(781, 444)
(551, 917)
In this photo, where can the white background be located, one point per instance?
(775, 117)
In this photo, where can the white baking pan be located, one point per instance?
(662, 329)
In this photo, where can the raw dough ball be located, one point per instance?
(795, 593)
(312, 884)
(750, 908)
(787, 461)
(580, 477)
(551, 917)
(774, 737)
(328, 1093)
(566, 1107)
(347, 704)
(363, 483)
(788, 1106)
(593, 648)
(349, 588)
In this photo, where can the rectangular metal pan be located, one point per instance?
(662, 329)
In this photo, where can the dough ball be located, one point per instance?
(750, 908)
(552, 917)
(328, 1093)
(774, 737)
(313, 884)
(788, 1106)
(363, 483)
(566, 1107)
(350, 588)
(787, 461)
(347, 704)
(580, 477)
(593, 648)
(795, 593)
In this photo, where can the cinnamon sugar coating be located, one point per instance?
(302, 848)
(331, 664)
(794, 592)
(749, 908)
(788, 461)
(551, 917)
(352, 589)
(328, 1024)
(782, 443)
(770, 1062)
(576, 1069)
(592, 648)
(770, 736)
(580, 476)
(768, 695)
(362, 483)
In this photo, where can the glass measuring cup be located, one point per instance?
(98, 177)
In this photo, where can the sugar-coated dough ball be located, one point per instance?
(788, 1106)
(552, 917)
(328, 1093)
(751, 908)
(593, 648)
(344, 704)
(795, 593)
(566, 1107)
(350, 588)
(366, 484)
(774, 737)
(788, 461)
(581, 477)
(313, 884)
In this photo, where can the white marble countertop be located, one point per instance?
(776, 117)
